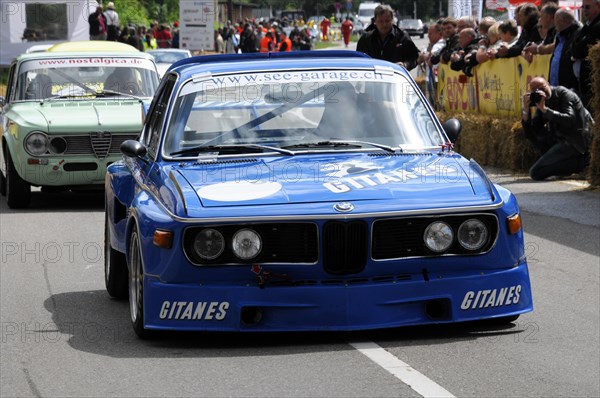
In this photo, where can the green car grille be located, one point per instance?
(98, 144)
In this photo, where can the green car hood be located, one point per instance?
(84, 116)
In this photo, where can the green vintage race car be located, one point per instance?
(66, 113)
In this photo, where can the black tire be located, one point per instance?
(18, 191)
(2, 184)
(136, 287)
(115, 267)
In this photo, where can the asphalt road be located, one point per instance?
(61, 335)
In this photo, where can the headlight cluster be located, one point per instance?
(265, 243)
(472, 235)
(38, 143)
(245, 244)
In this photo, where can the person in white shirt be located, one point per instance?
(112, 22)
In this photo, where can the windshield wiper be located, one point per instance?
(111, 93)
(104, 93)
(236, 148)
(346, 144)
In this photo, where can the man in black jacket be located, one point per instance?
(452, 45)
(587, 37)
(559, 128)
(387, 41)
(97, 22)
(464, 60)
(561, 66)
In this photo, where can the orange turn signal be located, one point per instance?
(163, 238)
(514, 223)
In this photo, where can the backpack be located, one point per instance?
(112, 32)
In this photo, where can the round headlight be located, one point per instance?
(438, 236)
(58, 145)
(472, 234)
(209, 244)
(246, 244)
(36, 144)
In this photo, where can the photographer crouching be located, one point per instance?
(559, 127)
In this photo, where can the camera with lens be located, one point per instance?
(535, 97)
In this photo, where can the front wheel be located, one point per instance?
(115, 267)
(136, 286)
(18, 191)
(2, 184)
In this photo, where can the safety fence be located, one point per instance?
(496, 88)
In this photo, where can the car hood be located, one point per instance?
(402, 181)
(84, 116)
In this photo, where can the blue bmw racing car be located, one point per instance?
(305, 191)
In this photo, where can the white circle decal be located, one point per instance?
(239, 191)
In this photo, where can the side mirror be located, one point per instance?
(133, 149)
(2, 101)
(452, 127)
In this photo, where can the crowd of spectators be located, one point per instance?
(106, 25)
(556, 111)
(534, 31)
(250, 35)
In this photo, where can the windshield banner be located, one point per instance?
(202, 83)
(86, 62)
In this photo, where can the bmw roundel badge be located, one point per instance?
(343, 207)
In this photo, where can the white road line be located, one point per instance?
(403, 371)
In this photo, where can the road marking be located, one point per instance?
(403, 371)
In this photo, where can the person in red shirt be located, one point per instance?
(346, 28)
(325, 24)
(164, 37)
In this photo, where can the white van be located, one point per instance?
(366, 11)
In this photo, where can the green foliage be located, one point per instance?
(167, 11)
(131, 12)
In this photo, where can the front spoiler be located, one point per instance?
(322, 307)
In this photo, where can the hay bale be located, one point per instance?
(593, 171)
(420, 80)
(493, 141)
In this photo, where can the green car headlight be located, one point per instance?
(36, 143)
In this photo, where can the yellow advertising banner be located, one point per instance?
(456, 91)
(498, 87)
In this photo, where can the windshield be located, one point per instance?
(87, 77)
(413, 23)
(168, 57)
(292, 109)
(366, 12)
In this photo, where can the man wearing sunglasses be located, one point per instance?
(587, 37)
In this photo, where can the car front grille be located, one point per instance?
(96, 144)
(345, 247)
